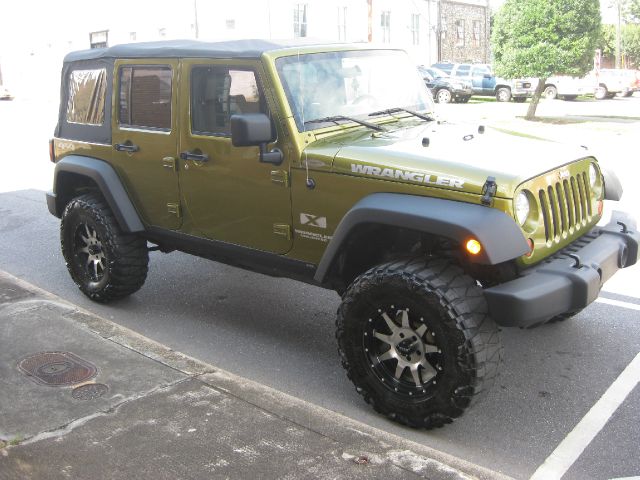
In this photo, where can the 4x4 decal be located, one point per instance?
(313, 220)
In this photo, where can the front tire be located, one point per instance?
(443, 96)
(550, 92)
(416, 340)
(105, 263)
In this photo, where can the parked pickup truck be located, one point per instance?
(567, 88)
(484, 82)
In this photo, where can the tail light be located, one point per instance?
(52, 152)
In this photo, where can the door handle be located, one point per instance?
(196, 155)
(126, 147)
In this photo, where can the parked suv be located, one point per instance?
(324, 164)
(484, 82)
(443, 88)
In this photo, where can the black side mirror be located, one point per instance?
(255, 130)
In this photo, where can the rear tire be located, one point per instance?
(416, 339)
(601, 92)
(503, 94)
(105, 263)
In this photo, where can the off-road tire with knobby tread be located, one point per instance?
(472, 350)
(126, 257)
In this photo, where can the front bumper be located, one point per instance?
(564, 284)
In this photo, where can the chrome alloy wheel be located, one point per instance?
(89, 253)
(402, 352)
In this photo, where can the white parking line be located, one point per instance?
(565, 454)
(618, 303)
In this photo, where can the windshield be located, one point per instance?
(352, 83)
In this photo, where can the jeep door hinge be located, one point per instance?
(280, 177)
(174, 209)
(283, 230)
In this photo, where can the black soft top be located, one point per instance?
(186, 48)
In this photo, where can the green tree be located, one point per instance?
(633, 10)
(630, 43)
(541, 38)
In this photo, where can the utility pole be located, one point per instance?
(195, 14)
(618, 34)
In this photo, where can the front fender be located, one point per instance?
(498, 233)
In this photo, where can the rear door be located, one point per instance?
(228, 195)
(145, 137)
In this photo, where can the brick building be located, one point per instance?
(464, 31)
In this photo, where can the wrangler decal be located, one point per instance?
(419, 177)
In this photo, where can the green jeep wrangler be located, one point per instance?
(325, 164)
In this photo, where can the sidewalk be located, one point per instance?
(150, 412)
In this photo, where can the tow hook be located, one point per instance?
(578, 263)
(624, 227)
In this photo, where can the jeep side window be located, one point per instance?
(145, 97)
(219, 92)
(87, 91)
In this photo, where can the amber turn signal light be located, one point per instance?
(531, 246)
(52, 151)
(473, 246)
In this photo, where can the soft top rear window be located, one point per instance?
(87, 90)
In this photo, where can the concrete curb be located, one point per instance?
(363, 440)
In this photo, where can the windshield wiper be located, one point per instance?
(337, 118)
(390, 111)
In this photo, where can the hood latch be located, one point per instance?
(489, 190)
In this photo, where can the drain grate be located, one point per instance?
(57, 368)
(89, 391)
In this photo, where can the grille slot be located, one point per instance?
(565, 206)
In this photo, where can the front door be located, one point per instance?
(145, 138)
(228, 195)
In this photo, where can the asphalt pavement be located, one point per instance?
(280, 333)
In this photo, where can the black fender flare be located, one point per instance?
(612, 185)
(107, 180)
(501, 238)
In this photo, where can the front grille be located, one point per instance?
(565, 206)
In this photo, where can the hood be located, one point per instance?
(448, 156)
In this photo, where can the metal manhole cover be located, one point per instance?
(57, 368)
(89, 391)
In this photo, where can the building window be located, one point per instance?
(87, 89)
(99, 39)
(459, 33)
(145, 97)
(415, 28)
(477, 39)
(300, 20)
(231, 24)
(385, 23)
(342, 23)
(217, 93)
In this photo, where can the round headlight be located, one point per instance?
(593, 175)
(522, 207)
